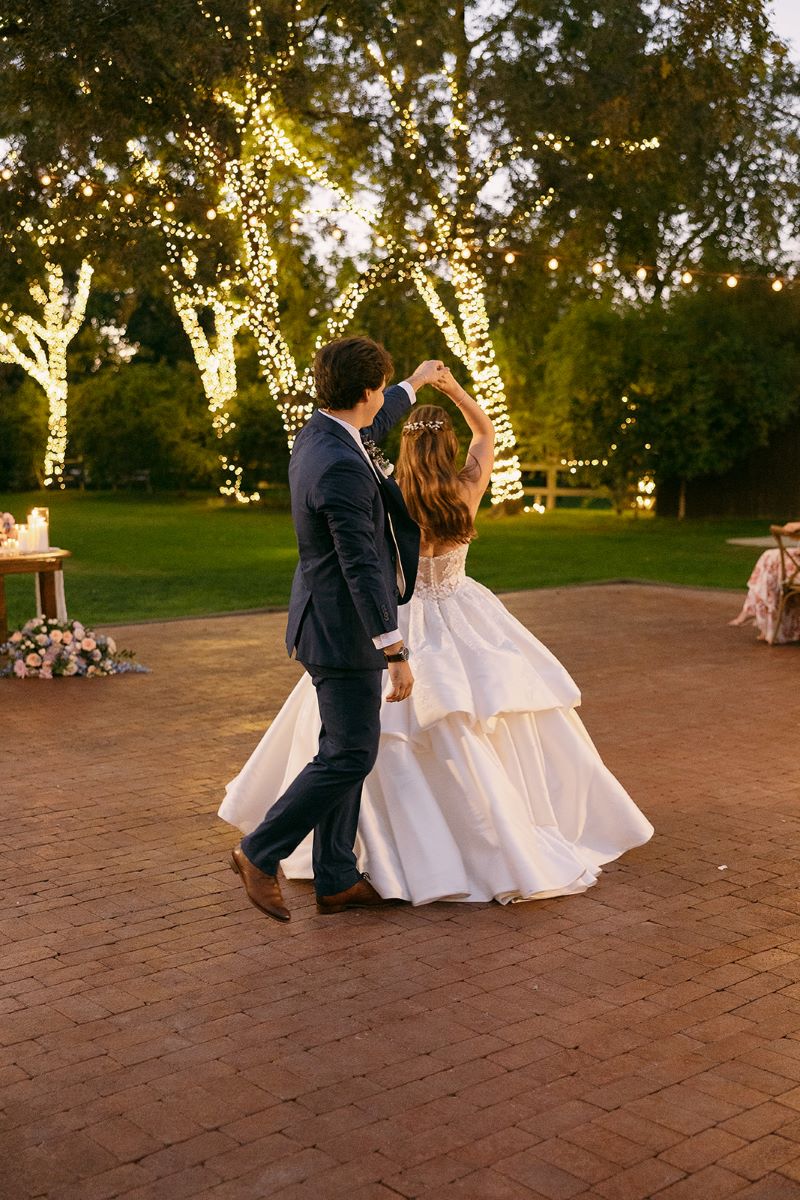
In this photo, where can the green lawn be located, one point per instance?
(141, 556)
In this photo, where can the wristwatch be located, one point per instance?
(402, 655)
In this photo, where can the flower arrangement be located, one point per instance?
(8, 526)
(45, 648)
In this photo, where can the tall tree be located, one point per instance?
(36, 338)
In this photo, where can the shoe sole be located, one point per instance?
(234, 866)
(339, 908)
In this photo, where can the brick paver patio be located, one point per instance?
(160, 1039)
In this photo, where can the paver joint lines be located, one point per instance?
(158, 1040)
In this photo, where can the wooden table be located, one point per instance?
(44, 564)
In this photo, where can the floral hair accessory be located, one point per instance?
(413, 426)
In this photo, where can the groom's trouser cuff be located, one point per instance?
(326, 795)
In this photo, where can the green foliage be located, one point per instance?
(725, 373)
(78, 78)
(23, 430)
(686, 390)
(593, 383)
(143, 417)
(258, 441)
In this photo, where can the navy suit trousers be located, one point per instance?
(326, 795)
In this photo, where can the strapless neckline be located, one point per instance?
(444, 554)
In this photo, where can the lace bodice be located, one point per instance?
(439, 576)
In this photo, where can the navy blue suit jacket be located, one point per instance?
(352, 528)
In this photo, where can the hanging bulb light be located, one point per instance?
(641, 274)
(686, 277)
(552, 264)
(510, 258)
(777, 285)
(732, 281)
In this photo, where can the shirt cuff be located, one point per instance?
(387, 639)
(412, 395)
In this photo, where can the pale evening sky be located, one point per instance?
(786, 22)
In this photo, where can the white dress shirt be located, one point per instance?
(383, 639)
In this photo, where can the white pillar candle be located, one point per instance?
(22, 538)
(38, 533)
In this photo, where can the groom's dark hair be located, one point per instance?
(344, 369)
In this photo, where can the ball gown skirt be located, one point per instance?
(487, 785)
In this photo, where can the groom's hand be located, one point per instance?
(401, 679)
(427, 372)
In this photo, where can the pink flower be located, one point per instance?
(46, 672)
(20, 669)
(96, 655)
(111, 646)
(56, 635)
(66, 637)
(71, 668)
(16, 637)
(33, 660)
(88, 644)
(42, 639)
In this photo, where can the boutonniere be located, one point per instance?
(377, 457)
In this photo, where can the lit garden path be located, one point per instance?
(159, 1038)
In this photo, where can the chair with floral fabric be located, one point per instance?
(789, 580)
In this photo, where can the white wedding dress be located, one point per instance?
(487, 785)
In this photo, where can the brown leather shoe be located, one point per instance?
(262, 890)
(360, 895)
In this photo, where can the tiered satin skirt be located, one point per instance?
(487, 785)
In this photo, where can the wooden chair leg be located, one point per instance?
(47, 591)
(781, 607)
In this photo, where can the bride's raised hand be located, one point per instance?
(426, 372)
(447, 384)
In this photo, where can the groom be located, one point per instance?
(358, 560)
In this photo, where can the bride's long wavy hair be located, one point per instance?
(429, 479)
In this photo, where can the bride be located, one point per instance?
(487, 785)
